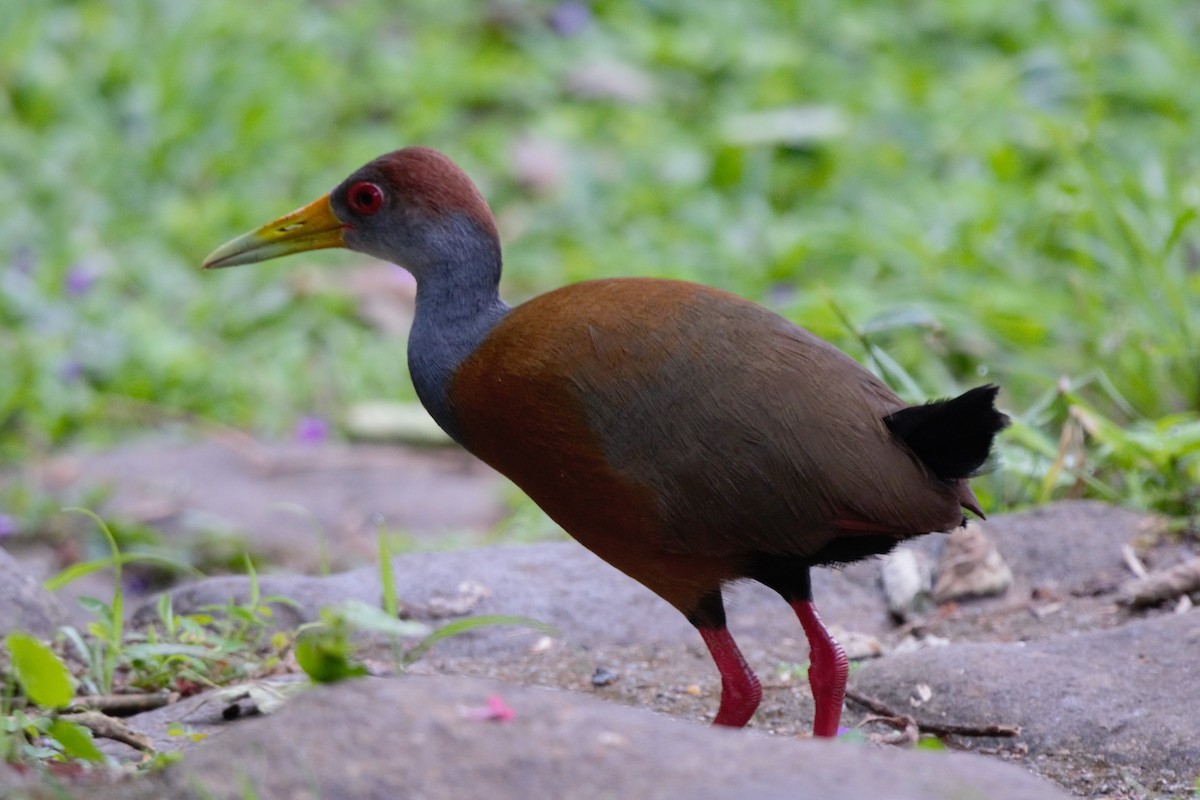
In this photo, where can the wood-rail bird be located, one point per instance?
(687, 436)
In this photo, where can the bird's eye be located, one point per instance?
(365, 198)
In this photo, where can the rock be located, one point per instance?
(1063, 544)
(560, 584)
(970, 566)
(204, 716)
(19, 785)
(422, 737)
(591, 604)
(1112, 696)
(24, 604)
(856, 644)
(1063, 686)
(389, 421)
(1070, 548)
(296, 500)
(906, 575)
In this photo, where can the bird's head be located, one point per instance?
(413, 207)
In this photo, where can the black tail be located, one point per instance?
(952, 437)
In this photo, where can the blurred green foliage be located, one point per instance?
(988, 191)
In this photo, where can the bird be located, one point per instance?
(687, 436)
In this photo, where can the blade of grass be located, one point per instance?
(470, 623)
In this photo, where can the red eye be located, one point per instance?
(365, 198)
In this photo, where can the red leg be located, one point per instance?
(827, 670)
(740, 690)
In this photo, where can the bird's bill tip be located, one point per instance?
(313, 227)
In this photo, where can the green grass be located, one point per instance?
(987, 191)
(49, 692)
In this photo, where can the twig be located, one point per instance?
(882, 709)
(907, 731)
(123, 705)
(1133, 562)
(111, 728)
(1158, 587)
(877, 707)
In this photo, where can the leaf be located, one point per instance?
(367, 617)
(325, 657)
(144, 651)
(932, 743)
(470, 623)
(44, 677)
(77, 571)
(82, 651)
(76, 741)
(96, 607)
(178, 729)
(387, 576)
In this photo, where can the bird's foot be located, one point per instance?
(827, 671)
(740, 690)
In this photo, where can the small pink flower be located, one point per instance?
(495, 709)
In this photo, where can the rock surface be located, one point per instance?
(289, 501)
(1050, 655)
(24, 604)
(558, 583)
(334, 742)
(1101, 691)
(1121, 696)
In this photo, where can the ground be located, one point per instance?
(1052, 640)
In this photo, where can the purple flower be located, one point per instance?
(80, 279)
(312, 430)
(70, 370)
(138, 583)
(8, 525)
(570, 18)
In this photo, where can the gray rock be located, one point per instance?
(15, 785)
(290, 500)
(558, 583)
(1095, 707)
(970, 566)
(1121, 696)
(906, 575)
(418, 737)
(202, 715)
(1064, 545)
(24, 604)
(591, 604)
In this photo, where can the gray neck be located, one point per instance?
(458, 304)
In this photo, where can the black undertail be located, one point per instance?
(953, 438)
